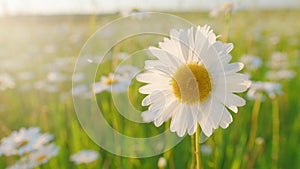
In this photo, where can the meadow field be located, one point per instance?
(38, 55)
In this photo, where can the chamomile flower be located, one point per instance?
(43, 155)
(280, 74)
(252, 62)
(270, 88)
(223, 9)
(192, 82)
(6, 81)
(85, 157)
(127, 71)
(112, 82)
(23, 141)
(279, 67)
(278, 61)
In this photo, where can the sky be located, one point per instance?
(15, 7)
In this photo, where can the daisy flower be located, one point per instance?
(278, 61)
(223, 9)
(280, 74)
(252, 62)
(127, 71)
(270, 88)
(84, 156)
(42, 155)
(279, 67)
(23, 141)
(192, 82)
(113, 83)
(6, 81)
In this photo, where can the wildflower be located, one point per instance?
(6, 81)
(84, 157)
(252, 62)
(206, 149)
(42, 155)
(270, 88)
(279, 67)
(23, 141)
(113, 83)
(127, 71)
(224, 9)
(192, 82)
(280, 75)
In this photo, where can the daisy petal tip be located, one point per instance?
(157, 123)
(148, 116)
(180, 134)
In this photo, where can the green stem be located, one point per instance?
(247, 156)
(227, 26)
(193, 150)
(275, 136)
(197, 152)
(254, 118)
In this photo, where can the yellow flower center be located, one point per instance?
(110, 81)
(191, 83)
(41, 158)
(22, 143)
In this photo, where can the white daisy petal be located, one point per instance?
(226, 119)
(166, 113)
(233, 99)
(149, 116)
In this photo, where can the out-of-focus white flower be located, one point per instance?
(50, 49)
(78, 77)
(251, 62)
(63, 63)
(127, 71)
(23, 141)
(112, 83)
(123, 55)
(280, 75)
(6, 81)
(85, 157)
(270, 88)
(25, 76)
(278, 61)
(279, 67)
(162, 162)
(80, 90)
(206, 149)
(56, 77)
(223, 9)
(42, 155)
(46, 86)
(274, 40)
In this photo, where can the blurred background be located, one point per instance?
(41, 40)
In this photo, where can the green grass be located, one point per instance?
(26, 42)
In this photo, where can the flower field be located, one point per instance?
(41, 128)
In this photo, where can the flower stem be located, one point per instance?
(227, 26)
(248, 154)
(193, 151)
(275, 131)
(197, 152)
(254, 118)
